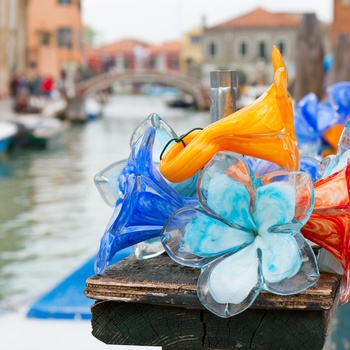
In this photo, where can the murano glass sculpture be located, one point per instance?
(144, 201)
(329, 223)
(339, 100)
(264, 129)
(245, 234)
(106, 180)
(311, 120)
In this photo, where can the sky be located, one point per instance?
(158, 21)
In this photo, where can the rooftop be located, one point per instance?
(261, 18)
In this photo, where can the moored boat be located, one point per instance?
(7, 132)
(40, 132)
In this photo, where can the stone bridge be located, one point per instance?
(100, 82)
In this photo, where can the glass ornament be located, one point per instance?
(264, 129)
(245, 234)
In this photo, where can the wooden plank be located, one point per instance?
(161, 281)
(179, 328)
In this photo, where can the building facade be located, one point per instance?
(191, 53)
(133, 55)
(54, 37)
(244, 43)
(164, 57)
(341, 19)
(12, 41)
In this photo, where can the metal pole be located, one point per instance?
(223, 94)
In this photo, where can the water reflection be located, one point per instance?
(52, 216)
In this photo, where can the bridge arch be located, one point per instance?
(184, 83)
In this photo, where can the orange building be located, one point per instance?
(341, 19)
(165, 57)
(125, 54)
(54, 36)
(133, 54)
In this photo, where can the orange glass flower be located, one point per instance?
(264, 129)
(329, 223)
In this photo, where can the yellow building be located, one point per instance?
(191, 53)
(54, 36)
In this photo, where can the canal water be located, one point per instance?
(52, 216)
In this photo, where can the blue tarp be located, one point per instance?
(67, 299)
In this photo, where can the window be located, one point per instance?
(174, 62)
(212, 50)
(44, 38)
(189, 61)
(243, 48)
(64, 2)
(195, 39)
(64, 38)
(262, 50)
(282, 47)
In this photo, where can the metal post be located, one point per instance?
(223, 93)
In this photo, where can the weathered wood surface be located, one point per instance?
(154, 303)
(161, 281)
(179, 328)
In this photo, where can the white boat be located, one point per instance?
(92, 108)
(7, 132)
(41, 132)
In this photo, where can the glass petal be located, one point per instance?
(225, 188)
(231, 283)
(305, 277)
(281, 257)
(286, 197)
(106, 182)
(193, 237)
(164, 133)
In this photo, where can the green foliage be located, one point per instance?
(89, 35)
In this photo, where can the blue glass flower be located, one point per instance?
(245, 234)
(339, 96)
(106, 180)
(333, 163)
(144, 202)
(311, 120)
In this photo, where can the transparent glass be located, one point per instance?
(329, 222)
(264, 129)
(311, 120)
(244, 234)
(339, 100)
(339, 96)
(144, 201)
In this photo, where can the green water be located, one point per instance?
(51, 214)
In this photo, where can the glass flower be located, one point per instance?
(263, 129)
(145, 201)
(339, 100)
(339, 97)
(329, 222)
(311, 120)
(245, 234)
(106, 180)
(307, 164)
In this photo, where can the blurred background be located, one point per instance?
(77, 77)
